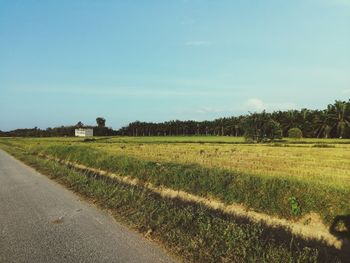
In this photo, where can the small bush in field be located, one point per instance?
(295, 206)
(295, 133)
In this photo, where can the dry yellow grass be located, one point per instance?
(329, 165)
(320, 165)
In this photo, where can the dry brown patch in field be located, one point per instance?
(57, 221)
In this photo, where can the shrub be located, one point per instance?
(295, 133)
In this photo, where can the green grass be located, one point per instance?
(193, 232)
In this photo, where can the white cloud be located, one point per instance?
(256, 104)
(198, 43)
(205, 110)
(346, 91)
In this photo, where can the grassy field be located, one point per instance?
(310, 160)
(261, 177)
(216, 166)
(328, 165)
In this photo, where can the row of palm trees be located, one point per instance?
(332, 122)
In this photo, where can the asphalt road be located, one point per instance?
(41, 221)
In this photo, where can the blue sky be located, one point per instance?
(67, 61)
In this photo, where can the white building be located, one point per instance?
(84, 132)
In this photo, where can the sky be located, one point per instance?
(153, 60)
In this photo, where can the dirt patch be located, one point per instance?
(57, 221)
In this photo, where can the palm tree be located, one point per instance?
(291, 120)
(307, 125)
(323, 128)
(339, 116)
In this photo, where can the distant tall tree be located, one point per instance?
(339, 115)
(101, 122)
(79, 125)
(307, 125)
(290, 120)
(322, 122)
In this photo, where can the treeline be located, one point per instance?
(63, 131)
(332, 122)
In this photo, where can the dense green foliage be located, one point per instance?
(101, 122)
(332, 122)
(62, 131)
(260, 127)
(191, 231)
(295, 133)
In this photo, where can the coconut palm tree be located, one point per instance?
(339, 115)
(322, 123)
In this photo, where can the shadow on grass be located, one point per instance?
(280, 234)
(269, 234)
(341, 229)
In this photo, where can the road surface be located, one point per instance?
(41, 221)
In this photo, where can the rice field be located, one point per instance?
(316, 171)
(328, 165)
(318, 161)
(264, 178)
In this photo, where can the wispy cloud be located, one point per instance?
(256, 104)
(205, 110)
(198, 43)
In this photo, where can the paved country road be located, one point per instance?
(41, 221)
